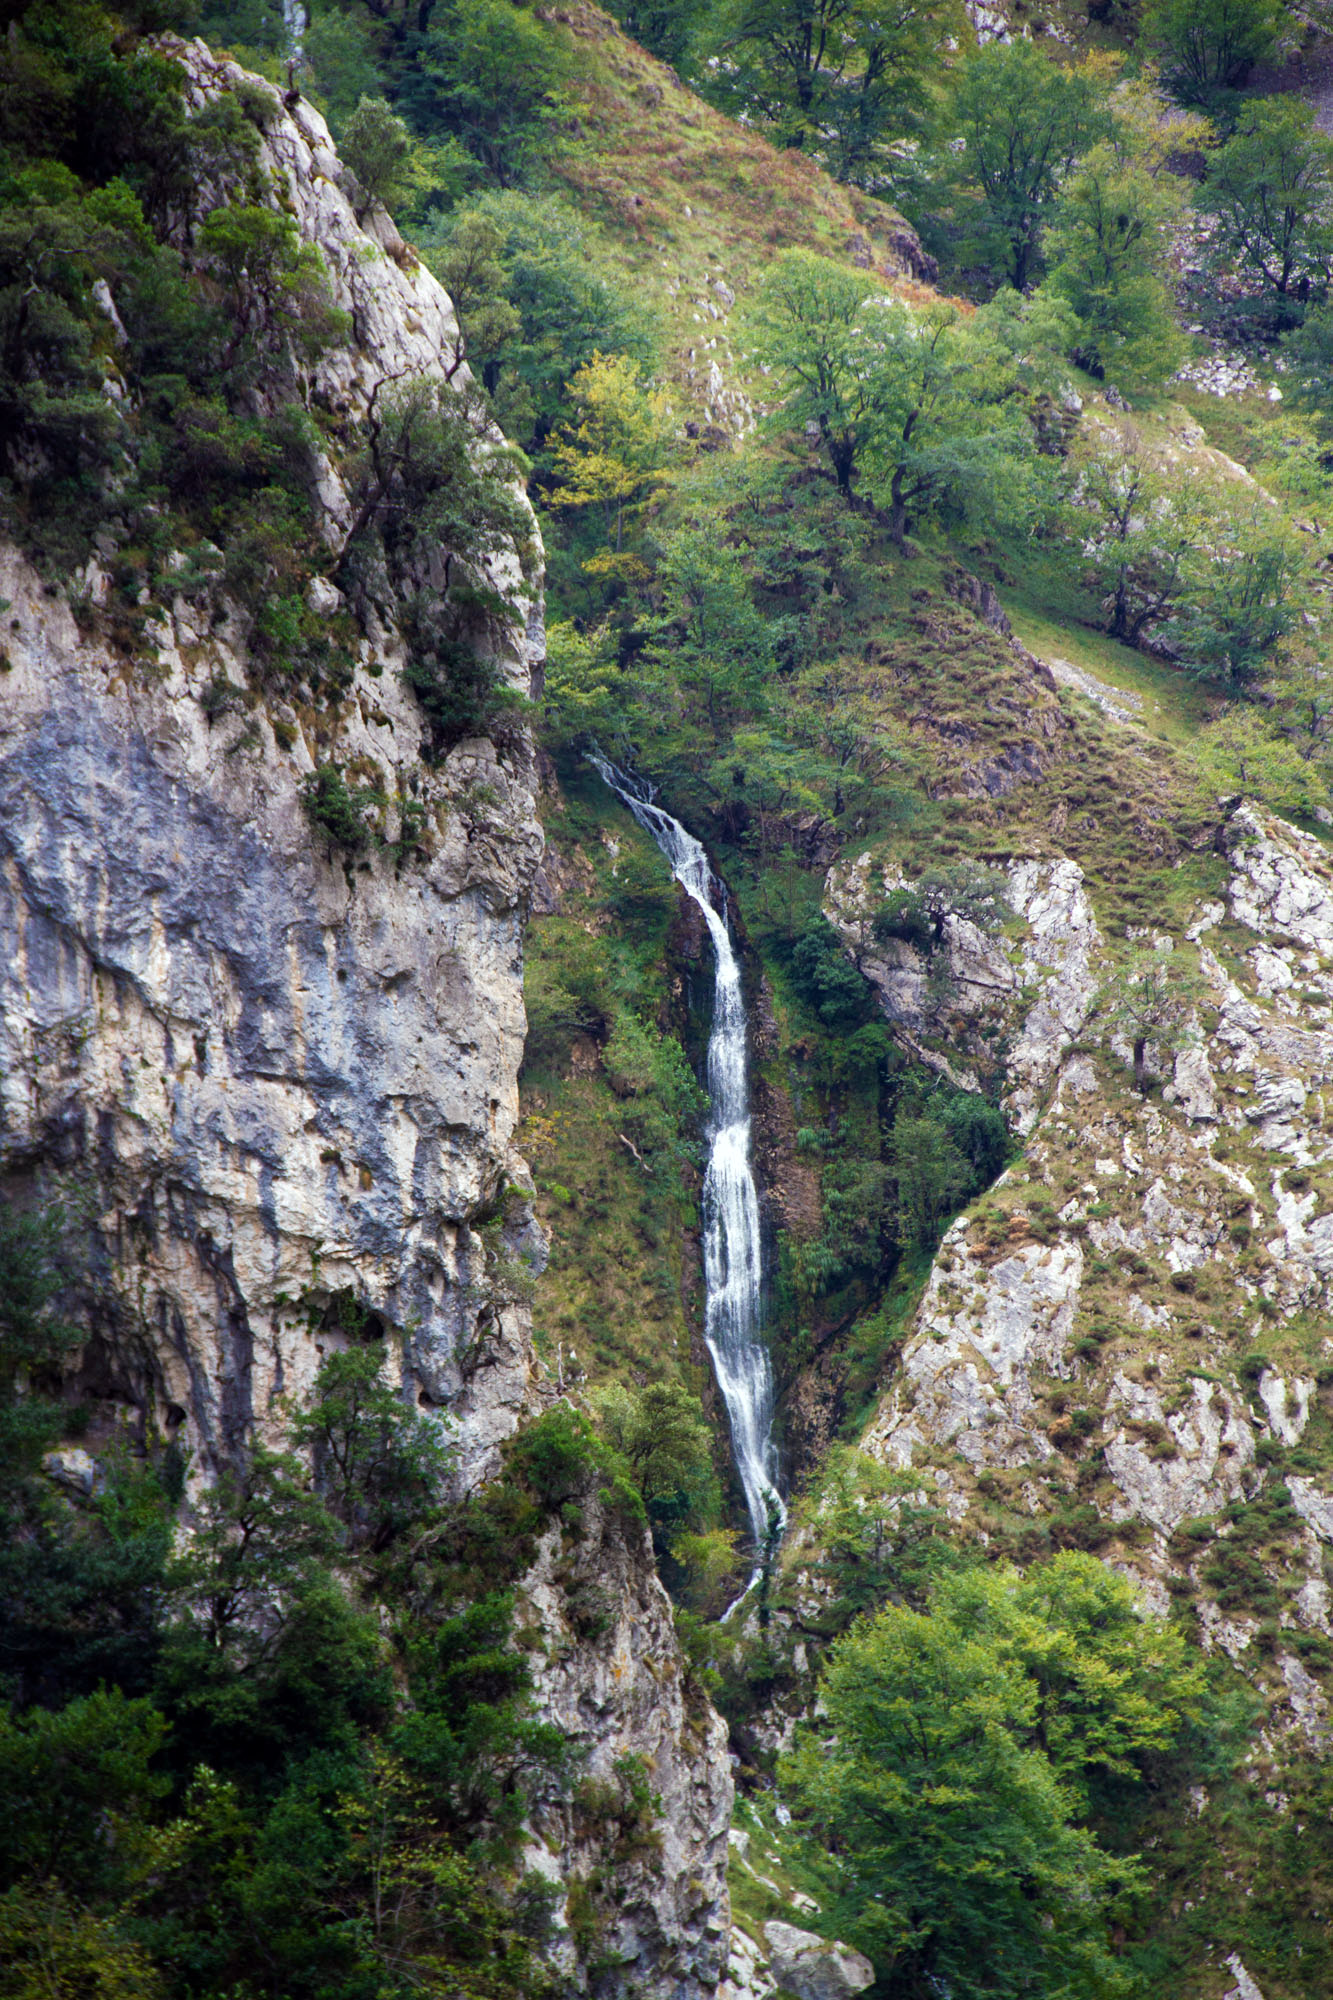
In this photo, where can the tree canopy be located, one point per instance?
(951, 1773)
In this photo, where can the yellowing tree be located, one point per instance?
(613, 456)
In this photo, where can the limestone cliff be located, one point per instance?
(1131, 1327)
(275, 1079)
(285, 1077)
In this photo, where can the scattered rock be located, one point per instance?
(1116, 703)
(1244, 1988)
(323, 597)
(812, 1968)
(73, 1469)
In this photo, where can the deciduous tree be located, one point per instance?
(612, 456)
(1135, 521)
(1106, 248)
(839, 76)
(1151, 1001)
(1208, 46)
(953, 1765)
(1270, 192)
(1023, 122)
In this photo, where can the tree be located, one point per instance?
(1114, 1687)
(35, 1340)
(1135, 521)
(377, 146)
(338, 49)
(894, 394)
(666, 28)
(76, 1785)
(711, 1566)
(663, 1436)
(966, 889)
(1310, 348)
(879, 1539)
(1106, 247)
(1151, 1001)
(51, 1947)
(1301, 688)
(826, 978)
(932, 376)
(276, 286)
(945, 1784)
(933, 1178)
(1241, 588)
(490, 72)
(615, 452)
(959, 1867)
(380, 1465)
(839, 75)
(55, 243)
(1023, 121)
(1248, 750)
(1208, 46)
(1270, 191)
(711, 655)
(805, 326)
(261, 1539)
(440, 496)
(469, 267)
(529, 256)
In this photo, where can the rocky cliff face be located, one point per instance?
(1132, 1326)
(608, 1673)
(286, 1076)
(277, 1080)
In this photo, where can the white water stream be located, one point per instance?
(732, 1252)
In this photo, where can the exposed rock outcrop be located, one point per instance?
(952, 1003)
(1133, 1319)
(608, 1673)
(287, 1077)
(812, 1968)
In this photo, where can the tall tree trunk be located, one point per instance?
(898, 512)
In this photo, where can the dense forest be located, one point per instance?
(911, 398)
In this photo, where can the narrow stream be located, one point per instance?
(733, 1269)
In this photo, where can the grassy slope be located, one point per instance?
(693, 205)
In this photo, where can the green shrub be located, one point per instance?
(826, 979)
(461, 692)
(346, 814)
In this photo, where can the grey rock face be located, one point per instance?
(812, 1968)
(1213, 1195)
(287, 1077)
(608, 1673)
(978, 979)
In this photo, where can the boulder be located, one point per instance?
(814, 1968)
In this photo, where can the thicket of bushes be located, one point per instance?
(293, 1753)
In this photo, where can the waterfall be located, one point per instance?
(732, 1261)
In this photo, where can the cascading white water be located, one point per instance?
(732, 1257)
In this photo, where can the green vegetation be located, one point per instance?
(788, 495)
(223, 1755)
(961, 1755)
(1208, 45)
